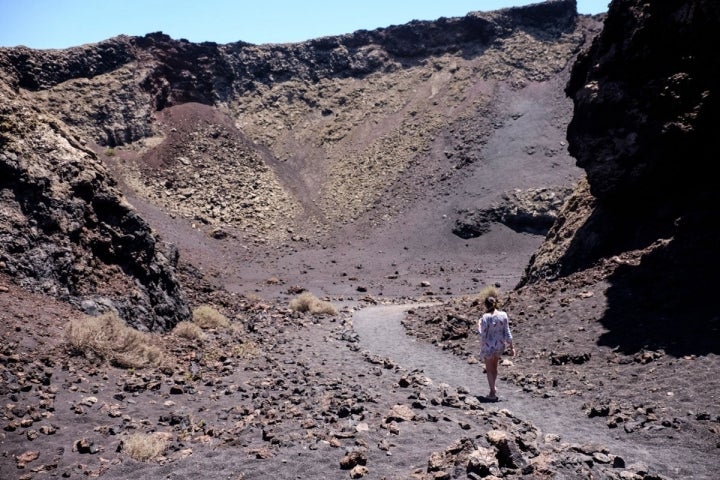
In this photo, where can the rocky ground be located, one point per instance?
(291, 395)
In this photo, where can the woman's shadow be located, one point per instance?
(487, 399)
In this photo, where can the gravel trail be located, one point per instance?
(382, 333)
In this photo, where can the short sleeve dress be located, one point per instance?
(494, 334)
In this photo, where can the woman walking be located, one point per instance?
(495, 336)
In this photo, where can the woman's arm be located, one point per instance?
(508, 336)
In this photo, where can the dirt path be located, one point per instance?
(381, 333)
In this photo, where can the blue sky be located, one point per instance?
(66, 23)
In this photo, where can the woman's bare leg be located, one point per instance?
(491, 369)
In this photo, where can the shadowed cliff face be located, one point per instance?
(644, 129)
(644, 126)
(646, 103)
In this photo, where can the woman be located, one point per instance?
(495, 336)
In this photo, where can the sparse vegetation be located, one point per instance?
(307, 302)
(107, 338)
(144, 447)
(206, 316)
(188, 330)
(488, 291)
(246, 349)
(110, 152)
(254, 299)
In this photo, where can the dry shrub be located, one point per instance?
(188, 330)
(144, 447)
(246, 349)
(490, 291)
(206, 316)
(307, 302)
(254, 299)
(108, 338)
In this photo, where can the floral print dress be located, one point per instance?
(495, 334)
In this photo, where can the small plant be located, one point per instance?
(490, 291)
(254, 298)
(110, 152)
(247, 349)
(307, 302)
(108, 338)
(188, 330)
(206, 316)
(144, 447)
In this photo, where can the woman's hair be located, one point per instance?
(490, 302)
